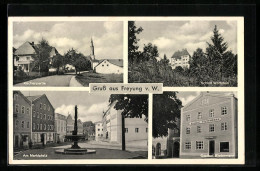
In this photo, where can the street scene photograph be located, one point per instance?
(79, 125)
(195, 125)
(67, 53)
(200, 53)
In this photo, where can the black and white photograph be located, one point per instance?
(195, 125)
(79, 125)
(67, 53)
(195, 53)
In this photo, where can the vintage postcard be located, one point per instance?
(126, 90)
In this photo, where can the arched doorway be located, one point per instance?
(153, 150)
(158, 149)
(176, 149)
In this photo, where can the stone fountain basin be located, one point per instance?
(75, 151)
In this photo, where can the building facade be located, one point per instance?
(135, 128)
(70, 126)
(89, 128)
(60, 127)
(181, 58)
(43, 119)
(209, 126)
(110, 66)
(98, 130)
(21, 120)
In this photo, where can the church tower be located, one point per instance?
(92, 53)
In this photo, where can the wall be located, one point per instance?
(106, 67)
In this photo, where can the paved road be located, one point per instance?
(55, 80)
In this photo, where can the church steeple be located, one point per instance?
(92, 49)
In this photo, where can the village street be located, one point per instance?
(104, 150)
(54, 80)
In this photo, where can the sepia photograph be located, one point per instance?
(79, 125)
(195, 125)
(201, 53)
(67, 53)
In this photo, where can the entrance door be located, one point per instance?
(176, 148)
(16, 141)
(211, 147)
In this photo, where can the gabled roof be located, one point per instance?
(117, 62)
(179, 54)
(21, 94)
(32, 98)
(25, 49)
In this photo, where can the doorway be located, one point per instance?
(158, 149)
(211, 147)
(176, 149)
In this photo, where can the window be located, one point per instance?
(28, 124)
(102, 65)
(27, 58)
(98, 129)
(44, 116)
(146, 129)
(211, 113)
(199, 145)
(198, 129)
(107, 65)
(223, 126)
(188, 130)
(187, 117)
(28, 111)
(224, 110)
(126, 130)
(41, 115)
(40, 126)
(136, 130)
(22, 124)
(224, 146)
(17, 108)
(40, 105)
(33, 126)
(211, 127)
(199, 115)
(16, 123)
(15, 97)
(98, 134)
(23, 109)
(187, 145)
(38, 115)
(34, 113)
(44, 106)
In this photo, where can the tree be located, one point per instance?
(166, 108)
(132, 41)
(150, 52)
(132, 106)
(41, 59)
(57, 62)
(217, 54)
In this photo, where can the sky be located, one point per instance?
(187, 96)
(107, 36)
(90, 106)
(171, 36)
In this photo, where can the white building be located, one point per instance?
(181, 58)
(110, 66)
(60, 127)
(135, 128)
(98, 130)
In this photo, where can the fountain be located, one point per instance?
(75, 148)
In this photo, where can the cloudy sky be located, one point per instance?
(171, 36)
(107, 36)
(90, 107)
(186, 97)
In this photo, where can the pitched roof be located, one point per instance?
(117, 62)
(178, 54)
(25, 49)
(32, 98)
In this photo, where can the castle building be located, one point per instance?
(21, 120)
(43, 117)
(135, 128)
(180, 58)
(60, 127)
(209, 126)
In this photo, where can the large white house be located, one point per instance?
(180, 58)
(110, 66)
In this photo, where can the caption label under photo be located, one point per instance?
(135, 88)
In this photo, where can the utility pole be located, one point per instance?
(123, 132)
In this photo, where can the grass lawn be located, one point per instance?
(89, 77)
